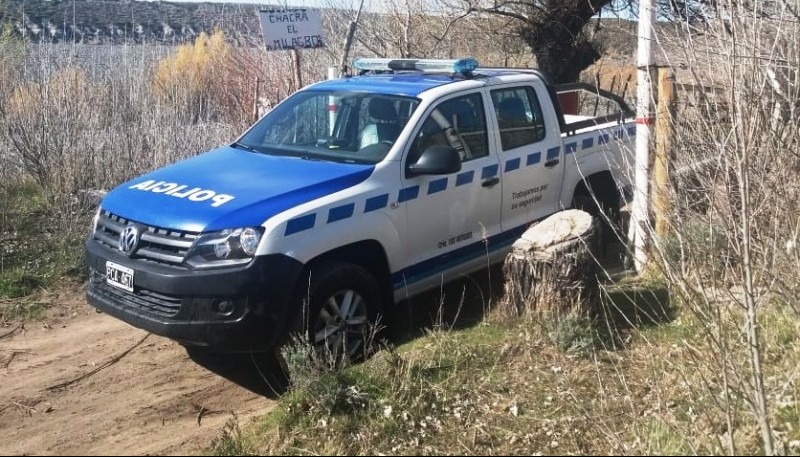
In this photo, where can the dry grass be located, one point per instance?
(504, 387)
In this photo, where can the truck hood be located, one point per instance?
(228, 188)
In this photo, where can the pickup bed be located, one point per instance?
(350, 195)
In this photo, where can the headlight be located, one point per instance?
(225, 248)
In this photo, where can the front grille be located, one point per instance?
(156, 244)
(143, 300)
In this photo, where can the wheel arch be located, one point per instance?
(600, 185)
(368, 254)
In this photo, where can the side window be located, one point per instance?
(459, 122)
(519, 116)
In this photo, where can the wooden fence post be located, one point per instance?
(298, 71)
(664, 139)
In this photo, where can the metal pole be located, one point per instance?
(640, 217)
(332, 74)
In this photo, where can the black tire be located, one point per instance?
(341, 303)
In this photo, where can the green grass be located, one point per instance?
(662, 439)
(41, 246)
(17, 284)
(231, 440)
(508, 387)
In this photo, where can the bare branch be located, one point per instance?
(105, 365)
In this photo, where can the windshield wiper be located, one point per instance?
(245, 147)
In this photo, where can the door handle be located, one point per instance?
(551, 163)
(491, 182)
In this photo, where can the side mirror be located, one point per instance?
(436, 160)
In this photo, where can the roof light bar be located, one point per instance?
(463, 66)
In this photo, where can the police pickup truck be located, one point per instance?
(350, 195)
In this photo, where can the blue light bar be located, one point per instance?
(463, 66)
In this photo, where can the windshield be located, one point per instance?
(337, 126)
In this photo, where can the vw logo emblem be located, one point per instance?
(129, 239)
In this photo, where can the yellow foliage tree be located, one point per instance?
(187, 78)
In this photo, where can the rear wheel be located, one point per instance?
(343, 302)
(606, 219)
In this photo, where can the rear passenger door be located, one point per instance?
(531, 159)
(449, 216)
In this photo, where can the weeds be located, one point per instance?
(506, 388)
(28, 308)
(571, 332)
(394, 400)
(230, 440)
(41, 245)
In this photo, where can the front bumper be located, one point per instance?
(229, 309)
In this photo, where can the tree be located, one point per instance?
(553, 29)
(411, 29)
(556, 30)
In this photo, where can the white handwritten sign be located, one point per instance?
(291, 28)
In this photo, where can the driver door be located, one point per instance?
(450, 217)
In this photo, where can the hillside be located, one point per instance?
(168, 23)
(162, 22)
(117, 21)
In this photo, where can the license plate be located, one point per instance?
(119, 276)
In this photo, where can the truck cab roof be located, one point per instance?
(409, 84)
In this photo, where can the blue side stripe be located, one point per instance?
(553, 153)
(437, 185)
(376, 203)
(409, 193)
(602, 139)
(465, 178)
(534, 158)
(341, 212)
(632, 131)
(619, 133)
(489, 171)
(587, 143)
(466, 253)
(569, 148)
(512, 164)
(300, 224)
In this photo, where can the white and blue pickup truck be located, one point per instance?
(350, 195)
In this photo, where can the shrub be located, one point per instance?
(187, 78)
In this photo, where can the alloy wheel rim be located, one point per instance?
(341, 325)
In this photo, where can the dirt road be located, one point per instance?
(153, 400)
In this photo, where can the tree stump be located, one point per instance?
(552, 266)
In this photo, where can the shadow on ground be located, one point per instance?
(261, 373)
(629, 306)
(458, 304)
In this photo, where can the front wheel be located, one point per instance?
(342, 301)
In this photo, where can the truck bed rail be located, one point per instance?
(622, 114)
